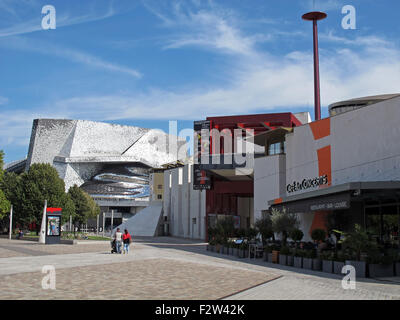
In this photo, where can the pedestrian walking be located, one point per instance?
(118, 240)
(127, 239)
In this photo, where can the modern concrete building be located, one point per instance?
(344, 169)
(184, 209)
(113, 163)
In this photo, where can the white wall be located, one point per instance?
(365, 146)
(185, 207)
(269, 181)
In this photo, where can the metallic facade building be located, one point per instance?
(111, 162)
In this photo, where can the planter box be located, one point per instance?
(283, 259)
(337, 267)
(265, 256)
(298, 262)
(243, 253)
(360, 266)
(307, 263)
(316, 264)
(275, 256)
(327, 266)
(397, 267)
(381, 270)
(290, 261)
(269, 256)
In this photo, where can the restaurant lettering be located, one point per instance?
(307, 184)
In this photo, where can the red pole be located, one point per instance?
(317, 95)
(314, 17)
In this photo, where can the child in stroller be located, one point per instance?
(113, 246)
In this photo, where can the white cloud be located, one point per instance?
(73, 55)
(3, 100)
(19, 17)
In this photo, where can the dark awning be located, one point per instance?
(336, 197)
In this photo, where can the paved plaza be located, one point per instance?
(166, 268)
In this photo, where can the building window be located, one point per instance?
(276, 148)
(159, 196)
(160, 186)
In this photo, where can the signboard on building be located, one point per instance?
(201, 179)
(324, 203)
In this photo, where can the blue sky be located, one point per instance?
(144, 62)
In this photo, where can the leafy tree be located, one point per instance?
(85, 206)
(11, 185)
(4, 203)
(284, 222)
(41, 183)
(264, 226)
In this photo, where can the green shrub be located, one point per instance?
(318, 235)
(285, 250)
(296, 235)
(358, 242)
(310, 254)
(299, 253)
(327, 255)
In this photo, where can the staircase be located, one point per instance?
(145, 223)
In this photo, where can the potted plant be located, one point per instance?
(380, 266)
(275, 254)
(296, 235)
(211, 245)
(234, 249)
(283, 255)
(298, 258)
(264, 227)
(327, 261)
(339, 259)
(309, 255)
(397, 265)
(358, 242)
(267, 251)
(284, 222)
(243, 250)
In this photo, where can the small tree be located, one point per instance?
(264, 226)
(225, 229)
(296, 235)
(284, 222)
(358, 242)
(5, 205)
(318, 235)
(11, 186)
(85, 206)
(40, 183)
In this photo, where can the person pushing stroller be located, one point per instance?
(117, 242)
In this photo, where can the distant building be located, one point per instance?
(111, 162)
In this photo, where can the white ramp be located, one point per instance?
(144, 223)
